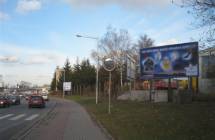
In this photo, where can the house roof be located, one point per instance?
(208, 51)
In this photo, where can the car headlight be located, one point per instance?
(1, 102)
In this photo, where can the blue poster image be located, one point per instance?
(178, 60)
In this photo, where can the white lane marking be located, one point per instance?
(17, 117)
(32, 117)
(6, 116)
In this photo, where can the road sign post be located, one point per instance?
(109, 66)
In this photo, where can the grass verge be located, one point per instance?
(154, 121)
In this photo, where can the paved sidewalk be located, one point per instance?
(69, 121)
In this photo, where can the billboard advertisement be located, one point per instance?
(178, 60)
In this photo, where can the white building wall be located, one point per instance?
(205, 85)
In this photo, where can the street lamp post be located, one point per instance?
(64, 80)
(97, 68)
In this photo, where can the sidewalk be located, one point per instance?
(68, 121)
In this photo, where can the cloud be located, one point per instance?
(31, 56)
(41, 58)
(25, 6)
(28, 63)
(123, 3)
(4, 16)
(8, 59)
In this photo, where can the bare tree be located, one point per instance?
(143, 42)
(204, 13)
(114, 44)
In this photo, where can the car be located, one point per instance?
(45, 97)
(15, 100)
(20, 95)
(4, 102)
(36, 101)
(27, 97)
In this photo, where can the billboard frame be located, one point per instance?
(148, 77)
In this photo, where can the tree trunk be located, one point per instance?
(80, 89)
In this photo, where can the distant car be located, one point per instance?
(14, 100)
(27, 97)
(20, 95)
(4, 102)
(45, 97)
(36, 101)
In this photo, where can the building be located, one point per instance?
(207, 70)
(24, 85)
(1, 83)
(58, 73)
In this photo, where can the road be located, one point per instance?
(18, 118)
(60, 120)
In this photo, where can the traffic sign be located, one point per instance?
(67, 86)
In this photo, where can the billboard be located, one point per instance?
(178, 60)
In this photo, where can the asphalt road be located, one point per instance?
(60, 120)
(17, 119)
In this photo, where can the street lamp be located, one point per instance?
(64, 80)
(97, 68)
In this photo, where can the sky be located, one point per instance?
(38, 35)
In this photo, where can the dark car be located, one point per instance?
(36, 101)
(15, 100)
(4, 102)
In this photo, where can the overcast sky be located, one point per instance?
(38, 35)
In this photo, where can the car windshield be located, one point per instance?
(1, 97)
(12, 97)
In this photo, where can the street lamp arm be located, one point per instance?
(90, 37)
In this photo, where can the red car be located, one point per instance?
(4, 102)
(36, 101)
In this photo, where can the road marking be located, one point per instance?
(6, 116)
(17, 117)
(32, 117)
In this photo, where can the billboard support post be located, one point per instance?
(190, 84)
(169, 90)
(150, 90)
(197, 85)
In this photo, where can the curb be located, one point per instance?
(26, 130)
